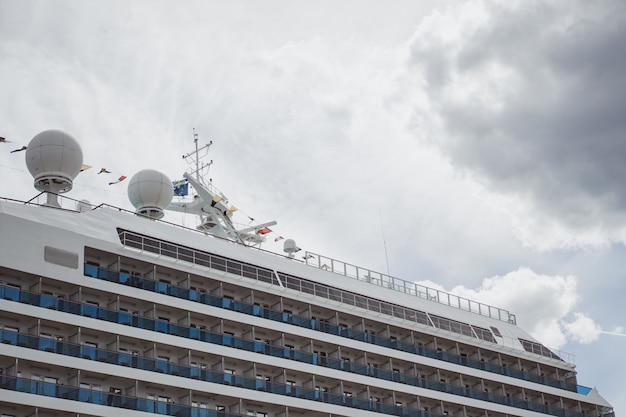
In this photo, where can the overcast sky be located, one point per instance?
(476, 145)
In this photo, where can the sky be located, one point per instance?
(476, 146)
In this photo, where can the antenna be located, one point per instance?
(380, 216)
(194, 158)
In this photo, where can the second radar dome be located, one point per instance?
(150, 191)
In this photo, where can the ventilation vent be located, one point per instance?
(60, 257)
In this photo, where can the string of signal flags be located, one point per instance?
(105, 171)
(181, 188)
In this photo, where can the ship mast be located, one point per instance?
(211, 206)
(195, 158)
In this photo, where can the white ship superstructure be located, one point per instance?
(105, 312)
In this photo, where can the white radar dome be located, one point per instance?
(54, 158)
(150, 191)
(290, 247)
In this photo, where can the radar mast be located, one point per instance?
(195, 158)
(210, 205)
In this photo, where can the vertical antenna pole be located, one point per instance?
(195, 140)
(380, 215)
(193, 158)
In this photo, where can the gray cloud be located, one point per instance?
(552, 129)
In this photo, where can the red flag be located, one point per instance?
(278, 238)
(264, 231)
(120, 179)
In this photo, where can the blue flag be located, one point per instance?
(181, 188)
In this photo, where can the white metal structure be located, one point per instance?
(105, 312)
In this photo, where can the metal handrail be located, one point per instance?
(407, 287)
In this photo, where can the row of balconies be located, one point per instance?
(115, 390)
(247, 332)
(164, 354)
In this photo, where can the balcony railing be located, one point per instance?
(87, 310)
(155, 365)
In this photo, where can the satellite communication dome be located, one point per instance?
(54, 159)
(290, 247)
(150, 191)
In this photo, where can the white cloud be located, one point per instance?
(583, 329)
(544, 305)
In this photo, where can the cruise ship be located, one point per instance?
(111, 312)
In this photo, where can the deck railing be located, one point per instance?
(407, 287)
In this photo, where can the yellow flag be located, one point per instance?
(85, 167)
(231, 210)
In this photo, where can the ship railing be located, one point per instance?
(407, 287)
(65, 203)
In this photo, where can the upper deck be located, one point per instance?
(313, 275)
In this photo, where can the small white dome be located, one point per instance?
(290, 247)
(54, 158)
(150, 191)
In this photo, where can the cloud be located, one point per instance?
(583, 329)
(544, 305)
(531, 98)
